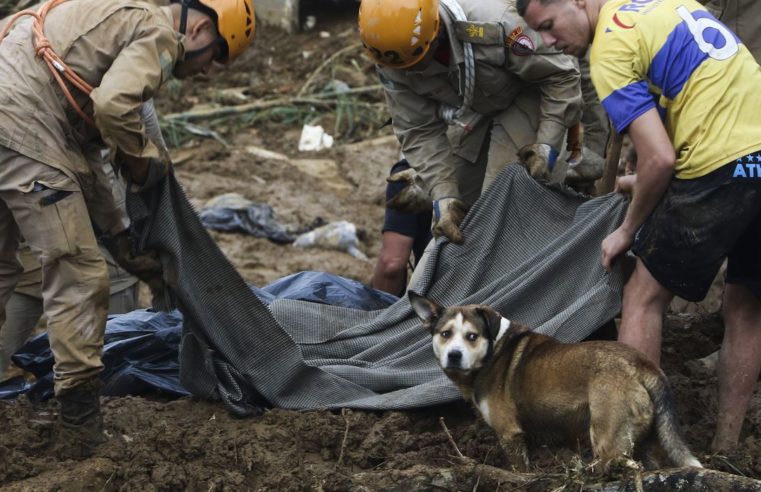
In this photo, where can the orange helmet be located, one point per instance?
(236, 23)
(398, 33)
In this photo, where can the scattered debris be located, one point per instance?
(232, 212)
(314, 138)
(341, 235)
(265, 154)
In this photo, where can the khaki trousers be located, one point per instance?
(23, 312)
(74, 276)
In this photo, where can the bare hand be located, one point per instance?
(617, 243)
(625, 184)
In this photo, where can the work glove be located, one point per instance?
(448, 214)
(150, 175)
(587, 169)
(144, 266)
(539, 159)
(412, 198)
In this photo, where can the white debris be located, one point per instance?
(341, 235)
(314, 138)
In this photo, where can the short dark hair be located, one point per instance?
(522, 5)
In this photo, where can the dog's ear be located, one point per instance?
(427, 310)
(492, 319)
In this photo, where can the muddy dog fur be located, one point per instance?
(528, 385)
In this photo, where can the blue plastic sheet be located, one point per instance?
(140, 348)
(325, 288)
(233, 213)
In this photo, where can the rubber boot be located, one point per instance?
(80, 428)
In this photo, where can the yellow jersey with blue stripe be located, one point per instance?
(675, 56)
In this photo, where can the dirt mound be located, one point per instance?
(196, 445)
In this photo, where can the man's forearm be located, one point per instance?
(652, 181)
(655, 167)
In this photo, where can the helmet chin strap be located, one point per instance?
(189, 55)
(185, 5)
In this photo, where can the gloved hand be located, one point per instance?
(448, 214)
(146, 267)
(588, 168)
(413, 198)
(147, 173)
(539, 159)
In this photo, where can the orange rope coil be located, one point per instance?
(44, 50)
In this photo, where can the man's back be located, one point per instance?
(35, 118)
(704, 80)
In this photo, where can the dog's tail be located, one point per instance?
(666, 425)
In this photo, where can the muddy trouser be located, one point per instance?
(507, 133)
(23, 312)
(74, 275)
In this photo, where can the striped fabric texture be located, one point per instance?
(531, 251)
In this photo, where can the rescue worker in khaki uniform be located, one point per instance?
(25, 306)
(468, 85)
(123, 51)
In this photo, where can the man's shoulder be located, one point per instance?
(490, 10)
(616, 30)
(90, 13)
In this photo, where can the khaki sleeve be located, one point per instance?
(152, 127)
(423, 137)
(106, 210)
(559, 82)
(133, 78)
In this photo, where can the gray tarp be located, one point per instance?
(532, 252)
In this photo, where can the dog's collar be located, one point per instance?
(504, 325)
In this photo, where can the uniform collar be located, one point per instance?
(180, 37)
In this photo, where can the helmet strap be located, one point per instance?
(185, 4)
(189, 55)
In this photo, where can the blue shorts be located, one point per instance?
(700, 222)
(414, 225)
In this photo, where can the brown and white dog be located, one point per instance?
(526, 384)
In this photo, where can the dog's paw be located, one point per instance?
(516, 457)
(625, 468)
(623, 463)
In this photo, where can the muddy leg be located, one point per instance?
(617, 425)
(514, 446)
(739, 363)
(645, 302)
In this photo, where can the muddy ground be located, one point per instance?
(188, 444)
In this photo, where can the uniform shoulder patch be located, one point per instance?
(479, 32)
(519, 42)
